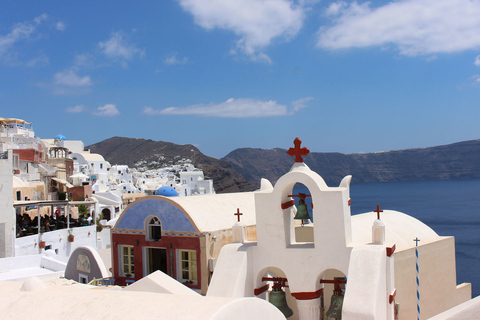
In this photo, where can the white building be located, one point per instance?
(91, 164)
(374, 269)
(193, 183)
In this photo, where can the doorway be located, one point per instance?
(106, 214)
(156, 260)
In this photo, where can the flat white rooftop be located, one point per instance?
(23, 274)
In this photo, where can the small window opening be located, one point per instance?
(155, 229)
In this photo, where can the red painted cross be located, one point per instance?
(378, 211)
(238, 214)
(297, 151)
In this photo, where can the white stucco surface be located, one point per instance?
(102, 303)
(400, 229)
(216, 212)
(365, 298)
(39, 265)
(58, 239)
(23, 274)
(91, 157)
(160, 282)
(469, 310)
(231, 280)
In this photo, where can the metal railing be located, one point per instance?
(102, 282)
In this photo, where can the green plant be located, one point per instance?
(82, 209)
(97, 222)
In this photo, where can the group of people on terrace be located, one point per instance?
(27, 226)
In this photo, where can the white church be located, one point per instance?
(365, 264)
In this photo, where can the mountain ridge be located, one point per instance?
(132, 151)
(243, 168)
(460, 160)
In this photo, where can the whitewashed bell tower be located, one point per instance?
(300, 266)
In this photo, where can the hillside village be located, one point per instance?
(158, 239)
(58, 179)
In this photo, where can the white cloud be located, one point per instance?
(117, 48)
(40, 18)
(301, 103)
(20, 31)
(415, 27)
(233, 108)
(108, 110)
(70, 79)
(255, 22)
(84, 60)
(38, 61)
(76, 109)
(173, 60)
(477, 61)
(60, 26)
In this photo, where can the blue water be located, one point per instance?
(450, 207)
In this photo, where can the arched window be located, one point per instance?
(154, 229)
(301, 214)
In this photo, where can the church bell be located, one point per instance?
(302, 212)
(278, 299)
(335, 310)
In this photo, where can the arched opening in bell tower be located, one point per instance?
(272, 285)
(302, 218)
(334, 284)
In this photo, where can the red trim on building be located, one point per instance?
(390, 250)
(307, 295)
(170, 243)
(392, 296)
(288, 204)
(260, 290)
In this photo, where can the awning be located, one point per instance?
(63, 181)
(133, 196)
(79, 175)
(13, 120)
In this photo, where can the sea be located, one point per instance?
(449, 207)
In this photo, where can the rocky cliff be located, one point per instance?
(455, 161)
(242, 169)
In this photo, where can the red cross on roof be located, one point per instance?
(378, 211)
(297, 151)
(238, 214)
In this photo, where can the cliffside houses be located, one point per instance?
(53, 177)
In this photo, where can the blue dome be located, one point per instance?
(60, 137)
(166, 191)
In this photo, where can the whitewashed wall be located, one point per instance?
(84, 236)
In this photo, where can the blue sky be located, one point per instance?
(224, 74)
